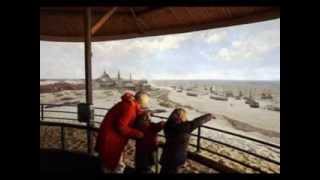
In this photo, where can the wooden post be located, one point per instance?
(88, 73)
(88, 55)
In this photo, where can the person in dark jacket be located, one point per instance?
(147, 146)
(177, 133)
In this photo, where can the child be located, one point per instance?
(146, 147)
(177, 132)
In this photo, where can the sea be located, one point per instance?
(246, 87)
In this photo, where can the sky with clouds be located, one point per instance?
(244, 52)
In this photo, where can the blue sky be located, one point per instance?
(244, 52)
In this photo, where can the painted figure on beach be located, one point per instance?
(117, 128)
(177, 133)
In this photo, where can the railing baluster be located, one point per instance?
(198, 139)
(62, 138)
(89, 150)
(157, 160)
(90, 125)
(42, 107)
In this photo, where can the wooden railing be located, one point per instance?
(194, 155)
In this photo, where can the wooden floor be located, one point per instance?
(55, 161)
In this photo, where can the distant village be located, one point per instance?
(105, 81)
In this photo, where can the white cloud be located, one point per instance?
(133, 54)
(216, 36)
(140, 47)
(161, 44)
(252, 47)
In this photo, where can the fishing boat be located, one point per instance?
(219, 98)
(254, 104)
(192, 94)
(229, 94)
(273, 107)
(266, 96)
(240, 95)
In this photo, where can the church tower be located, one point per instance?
(119, 77)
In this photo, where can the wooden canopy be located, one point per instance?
(66, 24)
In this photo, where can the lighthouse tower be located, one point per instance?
(119, 77)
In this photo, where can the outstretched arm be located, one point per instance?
(194, 124)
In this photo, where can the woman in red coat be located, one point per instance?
(116, 129)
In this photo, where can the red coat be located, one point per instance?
(116, 129)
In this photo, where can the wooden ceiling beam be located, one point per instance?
(190, 15)
(227, 12)
(136, 20)
(174, 14)
(149, 10)
(103, 20)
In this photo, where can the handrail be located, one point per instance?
(107, 109)
(58, 105)
(223, 131)
(224, 156)
(245, 137)
(207, 127)
(233, 134)
(67, 125)
(68, 112)
(99, 115)
(58, 118)
(239, 149)
(198, 136)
